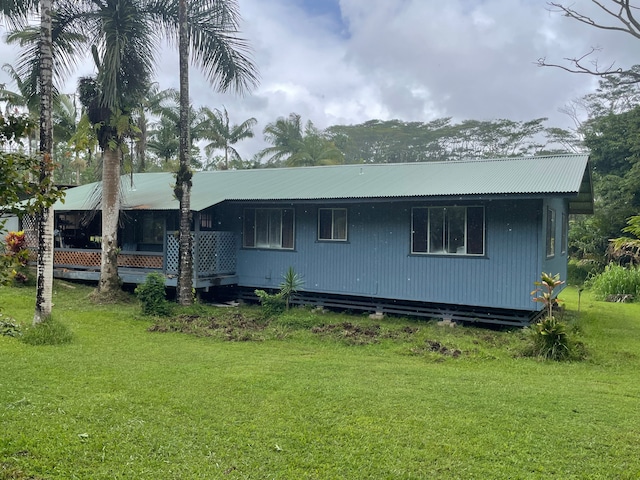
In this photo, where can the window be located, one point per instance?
(206, 221)
(332, 224)
(565, 234)
(551, 232)
(448, 230)
(268, 228)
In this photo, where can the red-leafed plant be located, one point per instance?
(16, 256)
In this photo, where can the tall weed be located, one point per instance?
(616, 280)
(49, 332)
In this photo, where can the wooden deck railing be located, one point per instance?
(78, 258)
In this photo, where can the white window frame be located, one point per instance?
(445, 231)
(275, 233)
(333, 237)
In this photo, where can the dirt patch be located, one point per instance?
(433, 346)
(230, 326)
(352, 334)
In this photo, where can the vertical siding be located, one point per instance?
(376, 259)
(558, 263)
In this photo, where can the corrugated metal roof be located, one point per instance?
(557, 174)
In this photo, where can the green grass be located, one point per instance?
(122, 402)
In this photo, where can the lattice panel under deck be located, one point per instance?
(216, 253)
(172, 253)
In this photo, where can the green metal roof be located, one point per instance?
(566, 175)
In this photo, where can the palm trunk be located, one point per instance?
(109, 280)
(183, 177)
(44, 280)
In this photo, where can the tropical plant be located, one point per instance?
(549, 336)
(223, 135)
(545, 291)
(627, 248)
(16, 257)
(291, 283)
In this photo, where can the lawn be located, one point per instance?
(120, 401)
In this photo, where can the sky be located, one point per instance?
(350, 61)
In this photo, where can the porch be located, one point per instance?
(214, 261)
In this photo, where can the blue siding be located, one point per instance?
(376, 259)
(557, 263)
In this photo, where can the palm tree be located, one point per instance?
(285, 134)
(223, 135)
(208, 28)
(17, 13)
(315, 149)
(183, 175)
(293, 147)
(163, 140)
(155, 103)
(123, 35)
(45, 220)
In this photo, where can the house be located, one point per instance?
(460, 239)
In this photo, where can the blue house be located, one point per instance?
(461, 239)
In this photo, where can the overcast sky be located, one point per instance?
(349, 61)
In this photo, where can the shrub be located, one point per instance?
(49, 332)
(549, 337)
(152, 296)
(616, 280)
(272, 304)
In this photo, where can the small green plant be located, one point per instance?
(291, 283)
(9, 328)
(152, 296)
(549, 336)
(272, 304)
(49, 332)
(616, 280)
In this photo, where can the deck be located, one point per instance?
(214, 262)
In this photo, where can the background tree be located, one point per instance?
(617, 16)
(293, 146)
(222, 135)
(285, 136)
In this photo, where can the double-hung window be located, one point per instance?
(332, 224)
(551, 232)
(448, 230)
(268, 228)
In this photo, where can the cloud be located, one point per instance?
(349, 61)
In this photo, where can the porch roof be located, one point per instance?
(564, 175)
